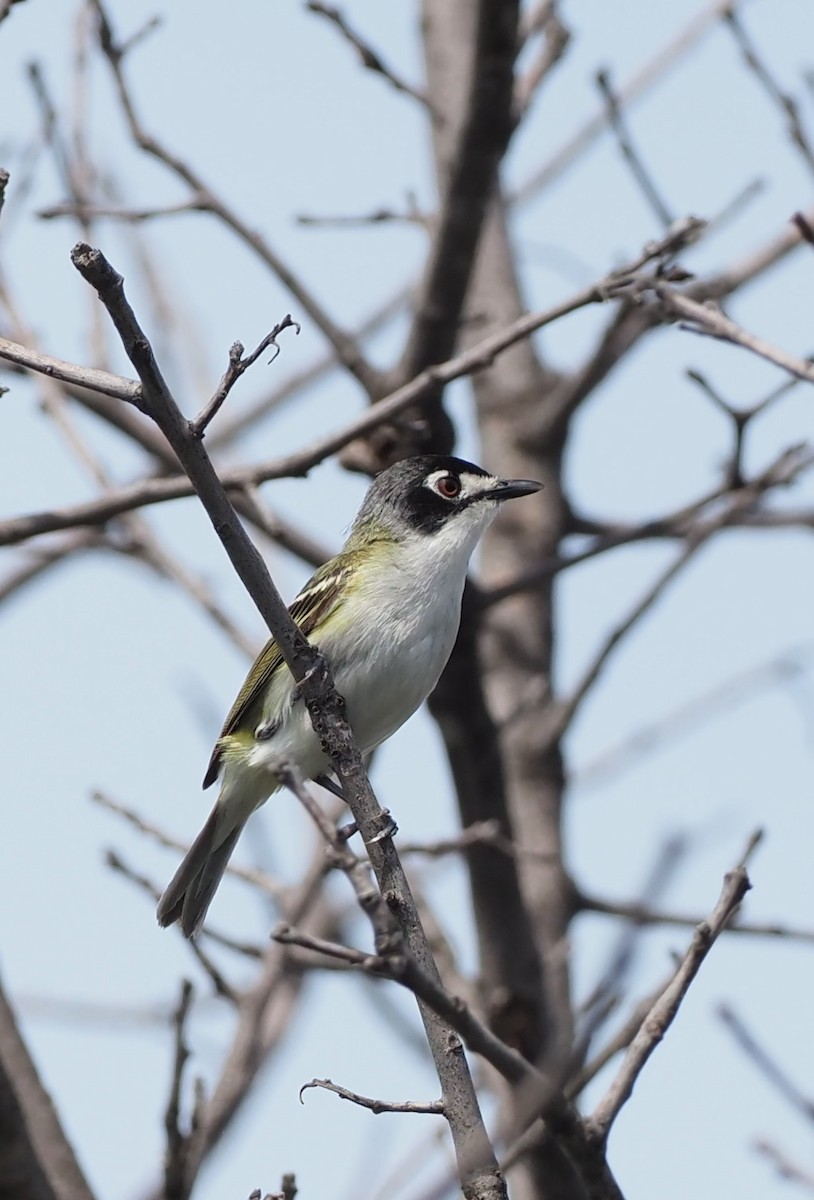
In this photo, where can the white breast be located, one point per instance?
(398, 629)
(405, 624)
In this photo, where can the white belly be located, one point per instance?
(397, 633)
(385, 668)
(397, 673)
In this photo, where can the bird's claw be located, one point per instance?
(389, 829)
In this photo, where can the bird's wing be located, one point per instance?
(307, 610)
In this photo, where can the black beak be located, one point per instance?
(510, 489)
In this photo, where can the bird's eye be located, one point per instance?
(448, 486)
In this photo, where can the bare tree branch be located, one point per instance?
(786, 102)
(233, 425)
(768, 1066)
(6, 7)
(569, 707)
(369, 57)
(237, 365)
(681, 721)
(547, 23)
(435, 1107)
(405, 970)
(632, 158)
(788, 1171)
(155, 490)
(632, 89)
(87, 377)
(681, 523)
(346, 348)
(85, 211)
(709, 320)
(36, 1159)
(177, 1141)
(482, 125)
(663, 1012)
(220, 983)
(642, 914)
(258, 879)
(477, 1163)
(39, 561)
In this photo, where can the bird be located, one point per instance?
(385, 613)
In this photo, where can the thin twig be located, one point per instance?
(219, 981)
(708, 320)
(347, 348)
(786, 102)
(606, 994)
(38, 1159)
(789, 1171)
(435, 1107)
(568, 708)
(474, 1154)
(4, 178)
(369, 57)
(42, 560)
(404, 970)
(57, 368)
(620, 1041)
(177, 1141)
(386, 934)
(663, 1012)
(638, 170)
(677, 525)
(679, 45)
(233, 424)
(555, 35)
(694, 714)
(157, 490)
(769, 1068)
(91, 211)
(237, 365)
(804, 226)
(258, 879)
(480, 833)
(379, 216)
(641, 914)
(740, 418)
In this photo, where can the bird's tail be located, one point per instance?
(189, 893)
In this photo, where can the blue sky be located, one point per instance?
(115, 681)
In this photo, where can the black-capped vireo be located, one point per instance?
(385, 613)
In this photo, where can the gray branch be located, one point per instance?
(36, 1160)
(477, 1163)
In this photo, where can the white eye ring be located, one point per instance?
(445, 484)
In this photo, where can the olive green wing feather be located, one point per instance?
(307, 610)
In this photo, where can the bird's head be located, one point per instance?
(436, 496)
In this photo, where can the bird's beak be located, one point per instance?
(510, 489)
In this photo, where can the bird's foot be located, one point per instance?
(389, 829)
(318, 666)
(267, 729)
